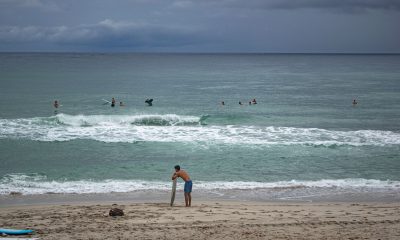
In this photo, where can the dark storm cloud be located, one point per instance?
(345, 5)
(338, 4)
(200, 25)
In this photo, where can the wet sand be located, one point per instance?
(208, 220)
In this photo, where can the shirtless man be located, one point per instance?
(188, 184)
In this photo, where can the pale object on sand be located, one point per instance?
(173, 192)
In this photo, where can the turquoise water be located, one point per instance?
(304, 131)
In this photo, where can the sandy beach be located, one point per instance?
(208, 220)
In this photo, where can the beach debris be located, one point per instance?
(116, 212)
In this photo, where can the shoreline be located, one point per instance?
(221, 219)
(153, 196)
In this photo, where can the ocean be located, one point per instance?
(304, 137)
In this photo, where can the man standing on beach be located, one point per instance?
(188, 184)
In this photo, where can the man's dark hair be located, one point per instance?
(177, 167)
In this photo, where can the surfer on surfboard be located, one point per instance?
(149, 102)
(188, 184)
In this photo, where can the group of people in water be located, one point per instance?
(252, 102)
(121, 104)
(150, 102)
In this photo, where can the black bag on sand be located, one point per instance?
(116, 212)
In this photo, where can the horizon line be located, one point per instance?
(199, 53)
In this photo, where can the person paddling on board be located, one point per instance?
(112, 102)
(188, 184)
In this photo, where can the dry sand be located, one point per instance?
(209, 220)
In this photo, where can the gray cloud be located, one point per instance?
(346, 5)
(201, 25)
(343, 5)
(105, 33)
(45, 5)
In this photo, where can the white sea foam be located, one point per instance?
(37, 184)
(186, 129)
(126, 120)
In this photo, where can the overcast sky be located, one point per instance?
(356, 26)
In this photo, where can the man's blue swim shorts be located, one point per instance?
(188, 186)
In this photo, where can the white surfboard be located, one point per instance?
(106, 101)
(173, 192)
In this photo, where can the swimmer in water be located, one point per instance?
(354, 102)
(121, 104)
(112, 102)
(55, 104)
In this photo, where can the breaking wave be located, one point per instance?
(185, 129)
(39, 184)
(121, 120)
